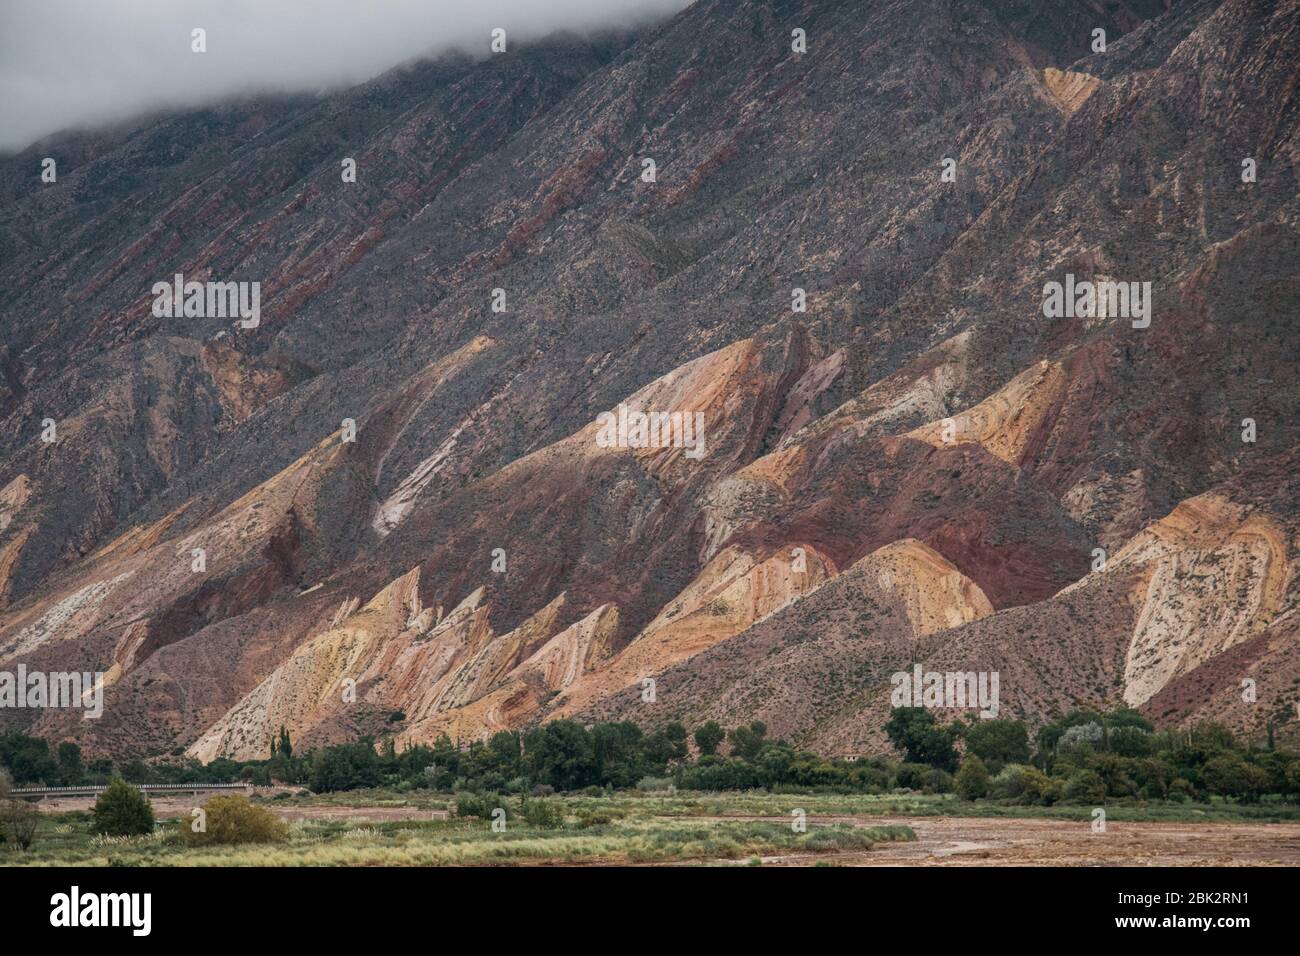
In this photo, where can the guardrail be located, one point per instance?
(95, 789)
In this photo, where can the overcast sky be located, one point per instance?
(67, 63)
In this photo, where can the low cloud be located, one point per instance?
(71, 63)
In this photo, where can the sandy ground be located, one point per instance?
(941, 841)
(966, 841)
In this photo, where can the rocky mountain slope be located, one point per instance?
(918, 466)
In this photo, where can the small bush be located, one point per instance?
(831, 839)
(937, 781)
(1086, 787)
(972, 781)
(1024, 784)
(230, 820)
(912, 776)
(122, 810)
(480, 805)
(543, 814)
(18, 823)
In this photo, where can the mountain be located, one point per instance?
(918, 467)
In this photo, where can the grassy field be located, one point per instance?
(764, 804)
(593, 831)
(369, 828)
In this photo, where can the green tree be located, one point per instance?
(1212, 735)
(1024, 784)
(345, 767)
(286, 745)
(746, 742)
(972, 781)
(506, 753)
(708, 736)
(71, 770)
(998, 742)
(122, 810)
(1117, 773)
(666, 744)
(560, 754)
(1128, 717)
(779, 764)
(27, 759)
(136, 770)
(914, 732)
(1292, 777)
(1231, 776)
(1049, 735)
(1085, 787)
(619, 759)
(1128, 741)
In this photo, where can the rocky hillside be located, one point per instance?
(391, 507)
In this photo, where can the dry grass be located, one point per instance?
(594, 830)
(624, 828)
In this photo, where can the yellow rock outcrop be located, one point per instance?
(1215, 574)
(934, 594)
(1005, 421)
(1069, 89)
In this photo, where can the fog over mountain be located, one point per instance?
(69, 63)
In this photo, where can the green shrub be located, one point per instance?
(480, 805)
(345, 767)
(1291, 777)
(916, 734)
(972, 781)
(543, 814)
(122, 810)
(1228, 775)
(1086, 787)
(19, 821)
(831, 839)
(998, 742)
(232, 819)
(911, 776)
(708, 736)
(1023, 784)
(937, 781)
